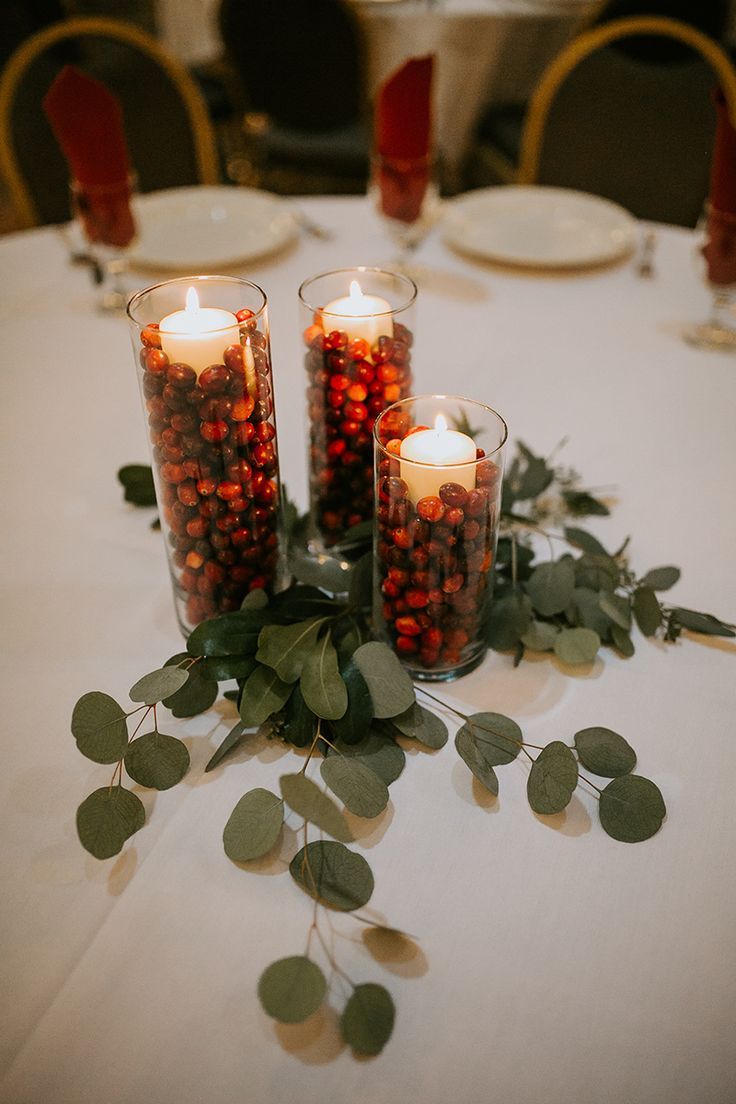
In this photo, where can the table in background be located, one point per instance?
(554, 964)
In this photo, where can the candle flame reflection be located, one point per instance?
(192, 301)
(440, 424)
(355, 290)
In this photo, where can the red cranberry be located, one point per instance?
(214, 379)
(150, 336)
(156, 362)
(407, 645)
(477, 502)
(227, 491)
(431, 508)
(416, 599)
(214, 431)
(181, 376)
(453, 494)
(407, 626)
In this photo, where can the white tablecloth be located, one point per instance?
(553, 964)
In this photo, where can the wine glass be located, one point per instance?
(103, 214)
(404, 191)
(717, 262)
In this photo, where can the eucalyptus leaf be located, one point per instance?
(358, 787)
(702, 622)
(474, 758)
(321, 683)
(647, 610)
(157, 685)
(552, 779)
(263, 694)
(285, 647)
(617, 608)
(498, 737)
(661, 578)
(137, 480)
(604, 752)
(156, 760)
(584, 504)
(631, 809)
(535, 478)
(333, 875)
(292, 989)
(300, 722)
(223, 668)
(588, 612)
(379, 751)
(99, 727)
(368, 1019)
(299, 603)
(229, 634)
(355, 723)
(597, 572)
(323, 571)
(255, 600)
(307, 800)
(197, 694)
(421, 724)
(253, 826)
(550, 587)
(623, 641)
(234, 739)
(509, 619)
(107, 818)
(540, 636)
(583, 540)
(577, 645)
(348, 637)
(360, 591)
(390, 687)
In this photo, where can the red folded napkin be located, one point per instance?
(402, 135)
(720, 249)
(87, 121)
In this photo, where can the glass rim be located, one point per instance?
(137, 298)
(373, 270)
(450, 398)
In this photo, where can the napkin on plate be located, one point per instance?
(87, 120)
(402, 135)
(720, 249)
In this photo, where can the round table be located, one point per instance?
(551, 963)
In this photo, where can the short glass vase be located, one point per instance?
(202, 350)
(438, 476)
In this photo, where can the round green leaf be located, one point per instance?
(263, 694)
(390, 687)
(552, 779)
(604, 752)
(647, 610)
(157, 761)
(292, 989)
(368, 1019)
(597, 572)
(321, 683)
(158, 685)
(99, 727)
(498, 738)
(617, 607)
(355, 724)
(107, 818)
(577, 645)
(550, 587)
(472, 756)
(588, 613)
(661, 578)
(584, 540)
(308, 800)
(540, 636)
(423, 725)
(255, 600)
(509, 619)
(197, 694)
(333, 875)
(358, 787)
(285, 647)
(379, 751)
(253, 826)
(623, 641)
(631, 809)
(229, 634)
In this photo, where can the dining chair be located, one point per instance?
(302, 71)
(169, 133)
(634, 127)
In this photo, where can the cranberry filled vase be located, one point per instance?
(357, 327)
(202, 346)
(438, 475)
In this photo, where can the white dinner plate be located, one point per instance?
(539, 227)
(209, 227)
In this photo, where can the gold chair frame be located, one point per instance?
(202, 130)
(586, 43)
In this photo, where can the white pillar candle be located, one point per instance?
(198, 336)
(359, 315)
(439, 455)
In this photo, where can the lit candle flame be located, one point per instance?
(355, 291)
(440, 423)
(192, 301)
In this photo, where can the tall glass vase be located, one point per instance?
(202, 350)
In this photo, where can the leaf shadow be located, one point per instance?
(368, 831)
(572, 821)
(717, 643)
(275, 861)
(592, 670)
(122, 871)
(471, 791)
(316, 1041)
(396, 952)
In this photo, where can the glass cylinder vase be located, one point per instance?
(204, 366)
(357, 327)
(438, 475)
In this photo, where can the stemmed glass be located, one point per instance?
(716, 260)
(104, 216)
(404, 191)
